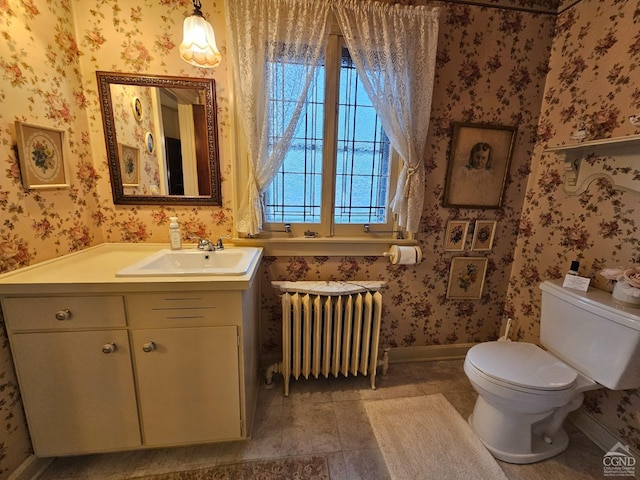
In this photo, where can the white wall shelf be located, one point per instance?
(617, 159)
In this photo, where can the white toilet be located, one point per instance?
(525, 392)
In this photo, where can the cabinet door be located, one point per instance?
(188, 384)
(77, 398)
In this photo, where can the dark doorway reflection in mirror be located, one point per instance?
(175, 127)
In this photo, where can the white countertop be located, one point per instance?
(94, 270)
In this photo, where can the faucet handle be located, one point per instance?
(219, 244)
(203, 243)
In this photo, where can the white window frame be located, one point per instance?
(346, 239)
(327, 227)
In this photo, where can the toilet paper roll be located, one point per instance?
(404, 255)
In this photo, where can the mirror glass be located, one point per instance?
(161, 135)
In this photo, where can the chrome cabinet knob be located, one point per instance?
(109, 347)
(149, 347)
(63, 314)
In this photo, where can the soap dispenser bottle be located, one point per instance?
(175, 236)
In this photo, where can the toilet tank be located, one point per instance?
(593, 334)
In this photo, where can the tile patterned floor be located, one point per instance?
(327, 417)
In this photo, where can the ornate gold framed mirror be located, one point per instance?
(161, 135)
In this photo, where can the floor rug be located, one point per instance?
(425, 437)
(307, 468)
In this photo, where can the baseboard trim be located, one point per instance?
(31, 468)
(598, 433)
(429, 352)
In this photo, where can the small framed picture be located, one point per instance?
(478, 165)
(136, 106)
(483, 235)
(148, 140)
(129, 165)
(466, 277)
(42, 153)
(456, 235)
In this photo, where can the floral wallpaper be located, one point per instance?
(592, 81)
(40, 83)
(506, 66)
(143, 37)
(491, 68)
(48, 59)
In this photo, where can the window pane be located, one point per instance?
(362, 167)
(294, 196)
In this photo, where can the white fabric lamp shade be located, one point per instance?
(198, 45)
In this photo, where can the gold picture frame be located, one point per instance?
(478, 165)
(42, 154)
(455, 236)
(136, 107)
(483, 235)
(129, 165)
(466, 277)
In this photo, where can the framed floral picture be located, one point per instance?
(466, 277)
(478, 165)
(129, 165)
(483, 234)
(42, 153)
(456, 235)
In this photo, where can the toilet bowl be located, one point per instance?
(525, 392)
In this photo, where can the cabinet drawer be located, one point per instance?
(63, 313)
(184, 309)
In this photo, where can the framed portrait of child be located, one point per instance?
(478, 165)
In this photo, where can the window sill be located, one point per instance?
(330, 247)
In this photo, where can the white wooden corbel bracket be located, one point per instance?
(617, 159)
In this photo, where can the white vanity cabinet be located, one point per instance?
(188, 384)
(73, 365)
(186, 350)
(122, 364)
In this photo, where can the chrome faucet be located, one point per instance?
(207, 245)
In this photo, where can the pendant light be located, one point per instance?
(198, 45)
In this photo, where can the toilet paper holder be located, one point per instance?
(408, 255)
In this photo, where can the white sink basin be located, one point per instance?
(230, 261)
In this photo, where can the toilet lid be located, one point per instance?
(522, 364)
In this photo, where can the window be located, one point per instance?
(338, 172)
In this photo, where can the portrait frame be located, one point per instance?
(483, 235)
(467, 277)
(42, 156)
(129, 165)
(456, 235)
(136, 107)
(478, 166)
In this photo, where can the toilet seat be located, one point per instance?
(522, 366)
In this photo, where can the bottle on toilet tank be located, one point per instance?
(573, 270)
(175, 236)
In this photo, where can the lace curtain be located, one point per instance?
(393, 48)
(264, 35)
